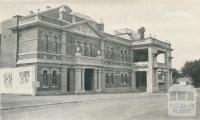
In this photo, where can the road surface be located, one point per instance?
(125, 108)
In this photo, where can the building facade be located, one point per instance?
(72, 54)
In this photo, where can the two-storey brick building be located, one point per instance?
(72, 54)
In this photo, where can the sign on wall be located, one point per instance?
(20, 80)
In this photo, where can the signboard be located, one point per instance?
(19, 80)
(182, 101)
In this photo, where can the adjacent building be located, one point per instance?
(72, 53)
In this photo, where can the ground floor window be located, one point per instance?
(54, 80)
(112, 78)
(45, 78)
(109, 78)
(124, 79)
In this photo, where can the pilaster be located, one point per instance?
(83, 80)
(95, 80)
(99, 80)
(77, 80)
(63, 45)
(63, 80)
(133, 79)
(150, 71)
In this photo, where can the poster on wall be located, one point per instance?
(18, 80)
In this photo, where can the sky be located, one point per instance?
(176, 21)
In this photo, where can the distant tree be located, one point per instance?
(176, 74)
(192, 69)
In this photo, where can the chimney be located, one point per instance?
(48, 7)
(73, 19)
(141, 32)
(101, 26)
(61, 12)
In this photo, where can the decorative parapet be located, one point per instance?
(35, 18)
(83, 60)
(150, 41)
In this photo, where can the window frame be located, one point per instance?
(54, 79)
(45, 78)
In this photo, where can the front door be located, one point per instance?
(88, 79)
(141, 80)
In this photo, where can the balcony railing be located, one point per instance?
(99, 61)
(160, 65)
(141, 64)
(117, 63)
(28, 19)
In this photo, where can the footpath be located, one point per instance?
(19, 101)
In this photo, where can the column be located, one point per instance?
(169, 72)
(77, 80)
(155, 73)
(99, 80)
(95, 80)
(133, 79)
(83, 80)
(156, 80)
(150, 71)
(64, 80)
(102, 79)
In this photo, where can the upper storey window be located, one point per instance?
(125, 56)
(90, 50)
(56, 45)
(45, 45)
(112, 54)
(85, 49)
(107, 52)
(122, 55)
(140, 55)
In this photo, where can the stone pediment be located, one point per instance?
(84, 29)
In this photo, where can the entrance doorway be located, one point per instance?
(70, 80)
(141, 80)
(88, 79)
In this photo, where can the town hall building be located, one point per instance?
(72, 54)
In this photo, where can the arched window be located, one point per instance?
(112, 78)
(45, 45)
(122, 55)
(107, 52)
(55, 44)
(54, 78)
(125, 56)
(85, 49)
(112, 54)
(122, 79)
(45, 78)
(107, 78)
(126, 79)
